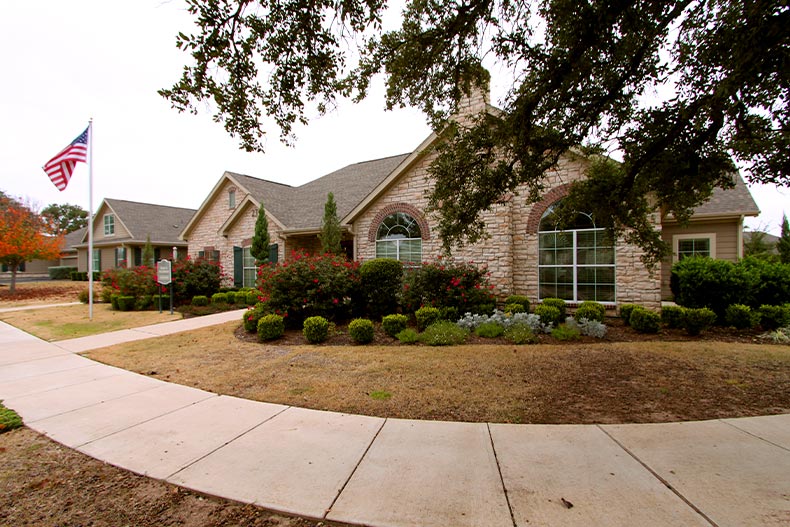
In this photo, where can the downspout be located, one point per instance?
(740, 237)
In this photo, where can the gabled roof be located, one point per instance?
(161, 222)
(72, 239)
(736, 201)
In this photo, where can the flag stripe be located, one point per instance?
(60, 167)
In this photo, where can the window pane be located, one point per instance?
(564, 257)
(410, 251)
(386, 249)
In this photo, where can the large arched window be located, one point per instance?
(399, 237)
(576, 263)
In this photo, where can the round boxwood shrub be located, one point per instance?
(549, 314)
(315, 329)
(697, 320)
(394, 324)
(673, 316)
(559, 303)
(114, 300)
(125, 303)
(381, 281)
(426, 316)
(515, 307)
(361, 330)
(774, 317)
(518, 299)
(625, 312)
(219, 298)
(739, 316)
(408, 336)
(645, 321)
(251, 298)
(591, 311)
(251, 317)
(270, 327)
(231, 297)
(200, 300)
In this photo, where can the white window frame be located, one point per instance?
(232, 198)
(676, 238)
(109, 224)
(246, 257)
(399, 241)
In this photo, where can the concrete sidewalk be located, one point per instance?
(395, 472)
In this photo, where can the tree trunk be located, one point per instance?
(12, 287)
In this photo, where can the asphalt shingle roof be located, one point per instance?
(162, 223)
(737, 200)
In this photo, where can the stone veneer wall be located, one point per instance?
(511, 251)
(206, 232)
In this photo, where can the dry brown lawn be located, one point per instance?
(68, 322)
(43, 292)
(610, 382)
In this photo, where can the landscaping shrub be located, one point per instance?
(361, 330)
(448, 284)
(549, 314)
(773, 317)
(771, 282)
(448, 313)
(114, 301)
(408, 336)
(315, 329)
(739, 316)
(443, 333)
(625, 312)
(591, 311)
(645, 321)
(219, 298)
(520, 333)
(325, 285)
(200, 300)
(531, 320)
(137, 281)
(84, 296)
(518, 299)
(673, 316)
(230, 297)
(591, 328)
(515, 308)
(9, 419)
(125, 303)
(251, 297)
(559, 303)
(270, 327)
(565, 332)
(426, 316)
(61, 272)
(251, 317)
(381, 281)
(489, 330)
(195, 278)
(144, 302)
(780, 336)
(697, 320)
(394, 324)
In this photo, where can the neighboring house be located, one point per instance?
(120, 230)
(68, 256)
(381, 205)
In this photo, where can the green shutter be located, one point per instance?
(138, 257)
(273, 253)
(238, 266)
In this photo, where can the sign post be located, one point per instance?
(165, 277)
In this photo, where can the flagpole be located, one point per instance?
(90, 219)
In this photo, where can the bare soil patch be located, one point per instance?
(553, 382)
(43, 483)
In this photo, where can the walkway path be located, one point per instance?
(395, 472)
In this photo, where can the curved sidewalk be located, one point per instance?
(394, 472)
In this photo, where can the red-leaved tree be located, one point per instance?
(22, 237)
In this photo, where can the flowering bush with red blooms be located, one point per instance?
(304, 286)
(462, 286)
(195, 277)
(136, 282)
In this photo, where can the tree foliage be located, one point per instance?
(63, 219)
(330, 228)
(148, 254)
(22, 237)
(783, 245)
(584, 78)
(260, 239)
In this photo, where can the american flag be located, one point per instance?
(60, 167)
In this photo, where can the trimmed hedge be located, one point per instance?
(740, 316)
(515, 307)
(426, 316)
(774, 317)
(549, 314)
(251, 317)
(219, 298)
(125, 303)
(199, 300)
(625, 312)
(270, 327)
(394, 324)
(518, 299)
(697, 320)
(673, 316)
(591, 311)
(61, 272)
(645, 321)
(559, 303)
(315, 329)
(361, 330)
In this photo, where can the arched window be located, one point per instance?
(576, 263)
(399, 237)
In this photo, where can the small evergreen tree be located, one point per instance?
(148, 252)
(330, 228)
(260, 240)
(783, 245)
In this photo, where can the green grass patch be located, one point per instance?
(9, 419)
(380, 395)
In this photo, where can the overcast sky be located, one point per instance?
(66, 62)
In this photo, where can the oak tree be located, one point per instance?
(63, 219)
(663, 98)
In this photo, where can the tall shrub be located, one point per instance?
(715, 284)
(330, 228)
(195, 277)
(259, 249)
(463, 286)
(381, 281)
(305, 286)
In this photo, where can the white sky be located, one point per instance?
(65, 62)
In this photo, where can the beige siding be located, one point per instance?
(98, 226)
(727, 237)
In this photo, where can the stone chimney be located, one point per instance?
(477, 100)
